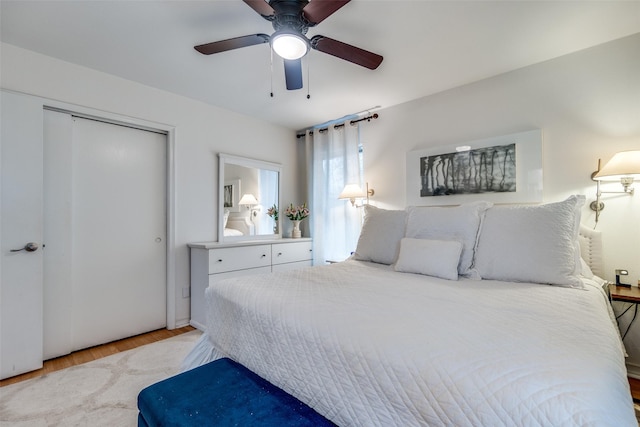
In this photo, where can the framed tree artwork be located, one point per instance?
(504, 169)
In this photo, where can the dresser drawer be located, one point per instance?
(291, 252)
(239, 258)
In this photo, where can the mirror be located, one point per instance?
(247, 189)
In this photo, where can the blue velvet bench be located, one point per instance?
(222, 393)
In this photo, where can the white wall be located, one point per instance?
(588, 106)
(202, 131)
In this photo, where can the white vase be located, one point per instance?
(296, 234)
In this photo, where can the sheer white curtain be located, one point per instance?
(333, 161)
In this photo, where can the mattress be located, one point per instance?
(367, 346)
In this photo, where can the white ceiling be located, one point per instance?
(428, 47)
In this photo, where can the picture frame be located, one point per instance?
(231, 195)
(520, 181)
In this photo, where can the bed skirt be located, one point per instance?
(202, 352)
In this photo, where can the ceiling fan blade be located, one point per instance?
(230, 44)
(260, 6)
(317, 11)
(293, 73)
(347, 52)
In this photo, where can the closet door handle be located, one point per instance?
(29, 247)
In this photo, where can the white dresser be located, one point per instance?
(211, 261)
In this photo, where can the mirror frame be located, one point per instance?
(228, 159)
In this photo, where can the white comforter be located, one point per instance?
(367, 346)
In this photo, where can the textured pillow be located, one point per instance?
(381, 233)
(536, 244)
(437, 258)
(460, 223)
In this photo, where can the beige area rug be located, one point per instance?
(99, 393)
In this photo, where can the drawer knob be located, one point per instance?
(263, 255)
(219, 260)
(279, 253)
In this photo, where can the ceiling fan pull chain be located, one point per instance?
(308, 77)
(271, 55)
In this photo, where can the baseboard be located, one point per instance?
(633, 371)
(197, 325)
(181, 323)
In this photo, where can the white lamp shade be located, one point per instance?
(248, 199)
(352, 191)
(289, 45)
(625, 164)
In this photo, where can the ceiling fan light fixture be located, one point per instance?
(289, 45)
(291, 20)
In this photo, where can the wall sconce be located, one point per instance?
(249, 200)
(624, 167)
(354, 191)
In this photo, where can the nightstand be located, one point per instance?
(625, 294)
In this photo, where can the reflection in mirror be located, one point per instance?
(247, 189)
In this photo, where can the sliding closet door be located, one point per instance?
(105, 206)
(58, 205)
(119, 232)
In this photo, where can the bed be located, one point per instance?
(443, 317)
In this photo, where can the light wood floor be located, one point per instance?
(635, 389)
(97, 352)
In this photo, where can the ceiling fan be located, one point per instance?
(291, 19)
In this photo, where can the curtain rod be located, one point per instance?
(352, 122)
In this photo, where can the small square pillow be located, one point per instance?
(437, 258)
(537, 244)
(460, 223)
(380, 237)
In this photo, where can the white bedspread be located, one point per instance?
(367, 346)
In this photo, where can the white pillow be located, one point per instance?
(232, 232)
(437, 258)
(381, 233)
(460, 223)
(536, 244)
